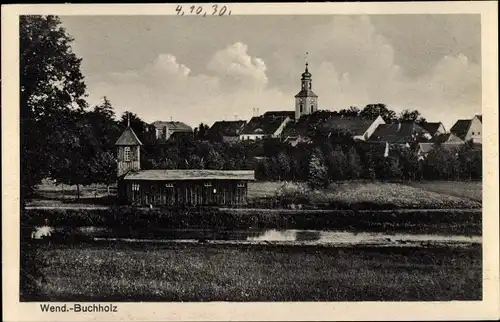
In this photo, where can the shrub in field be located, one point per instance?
(293, 193)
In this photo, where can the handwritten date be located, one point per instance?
(213, 10)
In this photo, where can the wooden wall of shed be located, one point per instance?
(187, 193)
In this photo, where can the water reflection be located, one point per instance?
(251, 235)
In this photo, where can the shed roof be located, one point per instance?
(178, 175)
(128, 137)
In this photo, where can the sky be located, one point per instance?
(194, 69)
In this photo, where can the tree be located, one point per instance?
(372, 111)
(337, 164)
(317, 171)
(201, 131)
(354, 167)
(214, 161)
(352, 111)
(103, 168)
(283, 165)
(411, 116)
(51, 84)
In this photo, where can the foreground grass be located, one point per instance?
(138, 272)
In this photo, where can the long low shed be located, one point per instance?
(185, 187)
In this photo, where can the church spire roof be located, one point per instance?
(306, 74)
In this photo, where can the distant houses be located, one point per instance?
(264, 126)
(164, 130)
(469, 129)
(226, 131)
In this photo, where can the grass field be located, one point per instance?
(133, 272)
(471, 190)
(351, 194)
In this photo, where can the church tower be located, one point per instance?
(129, 149)
(306, 102)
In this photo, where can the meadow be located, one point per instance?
(339, 195)
(201, 272)
(376, 194)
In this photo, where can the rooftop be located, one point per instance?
(172, 125)
(399, 132)
(172, 175)
(128, 137)
(265, 125)
(460, 128)
(226, 128)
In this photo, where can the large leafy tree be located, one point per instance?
(51, 85)
(372, 111)
(411, 116)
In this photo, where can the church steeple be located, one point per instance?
(306, 102)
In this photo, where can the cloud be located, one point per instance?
(236, 67)
(352, 63)
(236, 83)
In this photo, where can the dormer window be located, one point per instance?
(127, 154)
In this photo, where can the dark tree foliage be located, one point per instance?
(51, 85)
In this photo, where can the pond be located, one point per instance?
(310, 237)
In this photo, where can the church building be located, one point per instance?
(306, 102)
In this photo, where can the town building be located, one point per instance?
(361, 129)
(175, 187)
(400, 133)
(306, 101)
(260, 127)
(226, 131)
(434, 128)
(165, 129)
(469, 129)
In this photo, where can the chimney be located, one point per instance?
(170, 118)
(236, 117)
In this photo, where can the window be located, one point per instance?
(241, 185)
(169, 185)
(478, 133)
(312, 108)
(303, 85)
(310, 85)
(135, 187)
(127, 153)
(301, 108)
(472, 133)
(208, 184)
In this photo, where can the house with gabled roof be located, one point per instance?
(260, 127)
(434, 128)
(360, 128)
(226, 131)
(469, 129)
(400, 133)
(165, 129)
